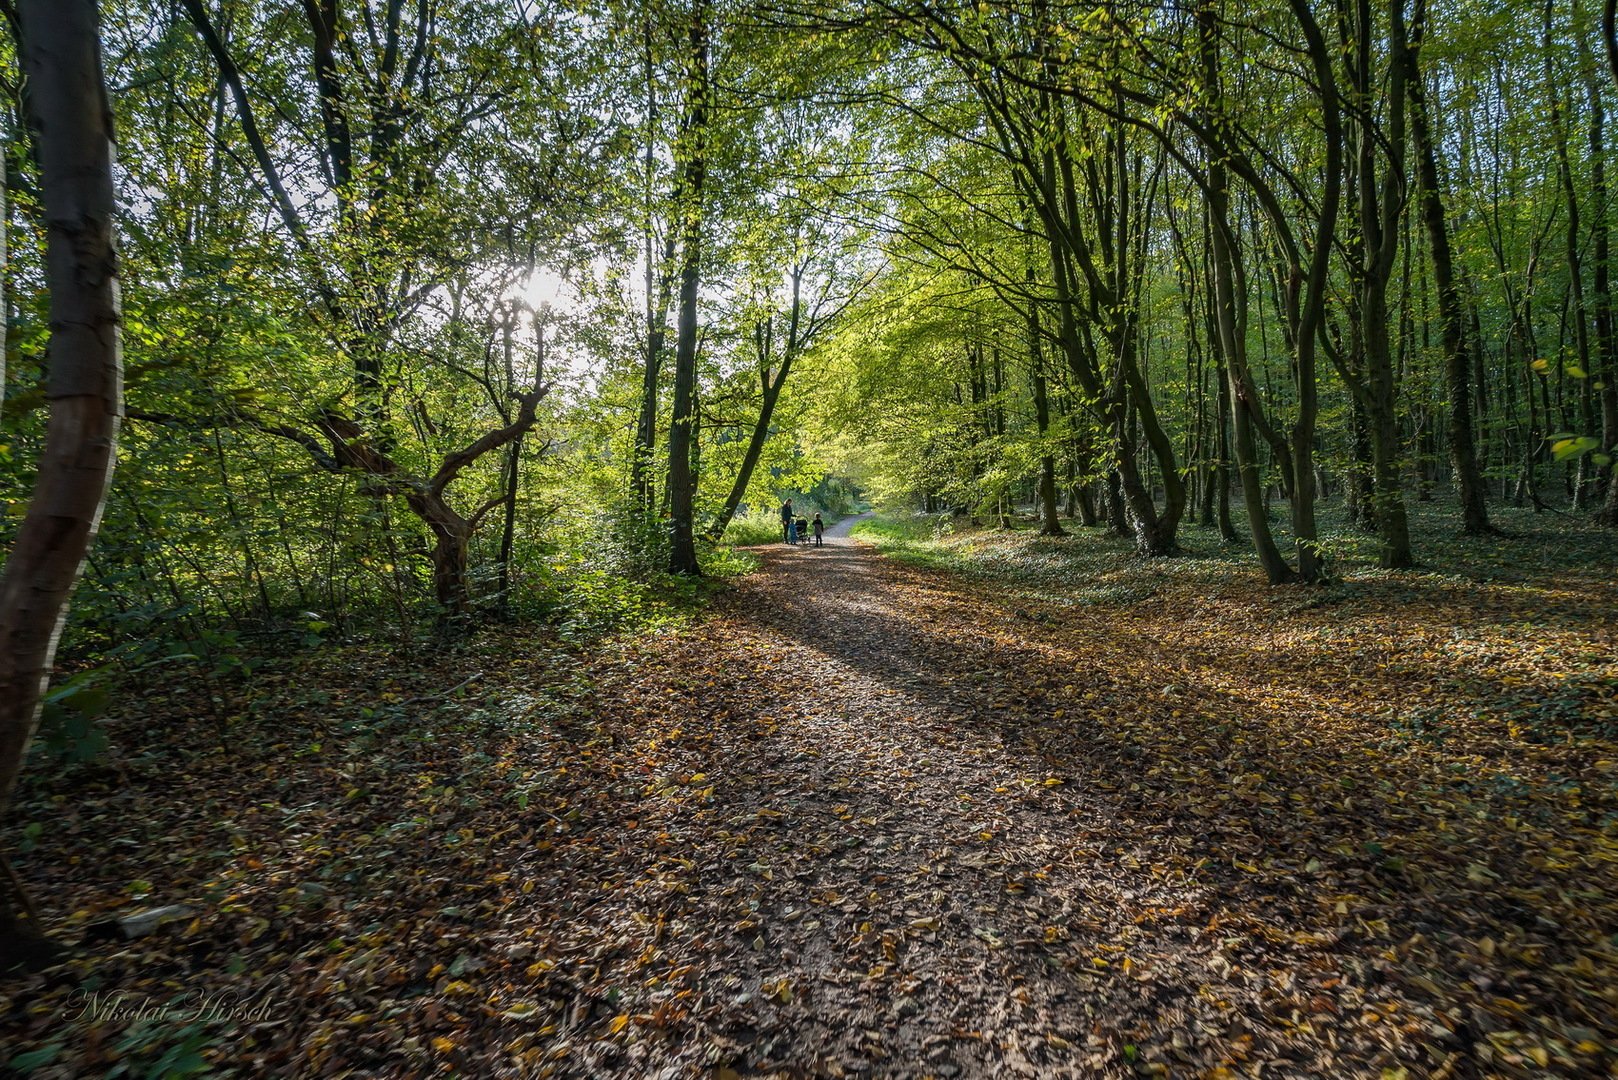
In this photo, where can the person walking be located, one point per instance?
(786, 522)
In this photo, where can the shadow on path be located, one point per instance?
(939, 836)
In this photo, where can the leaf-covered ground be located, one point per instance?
(1061, 816)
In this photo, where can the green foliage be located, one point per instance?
(759, 527)
(68, 727)
(162, 1049)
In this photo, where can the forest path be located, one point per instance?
(858, 857)
(841, 529)
(864, 818)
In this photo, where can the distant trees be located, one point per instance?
(1358, 194)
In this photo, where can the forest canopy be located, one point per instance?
(1146, 262)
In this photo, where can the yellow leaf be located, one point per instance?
(618, 1023)
(443, 1045)
(1540, 1056)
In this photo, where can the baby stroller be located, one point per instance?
(800, 531)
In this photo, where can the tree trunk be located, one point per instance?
(682, 486)
(61, 57)
(772, 393)
(1380, 205)
(1227, 299)
(1357, 492)
(1086, 505)
(755, 450)
(658, 287)
(1051, 522)
(1227, 528)
(451, 534)
(1232, 344)
(1601, 257)
(1451, 314)
(1387, 496)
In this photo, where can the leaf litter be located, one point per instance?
(866, 819)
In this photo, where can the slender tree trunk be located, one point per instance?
(1358, 492)
(1227, 298)
(1387, 485)
(1117, 519)
(1380, 204)
(1575, 262)
(1221, 479)
(1451, 313)
(508, 524)
(1601, 256)
(772, 392)
(1086, 506)
(1308, 314)
(682, 486)
(61, 57)
(1242, 393)
(646, 423)
(1051, 523)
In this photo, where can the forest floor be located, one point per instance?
(868, 817)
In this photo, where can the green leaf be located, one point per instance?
(35, 1059)
(1564, 449)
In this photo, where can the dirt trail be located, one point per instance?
(863, 819)
(862, 863)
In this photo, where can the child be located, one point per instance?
(820, 530)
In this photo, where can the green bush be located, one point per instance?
(759, 527)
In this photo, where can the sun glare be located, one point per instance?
(542, 290)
